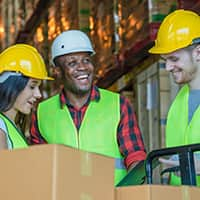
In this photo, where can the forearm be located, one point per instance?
(3, 141)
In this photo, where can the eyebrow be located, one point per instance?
(35, 81)
(162, 58)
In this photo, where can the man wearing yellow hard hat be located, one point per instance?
(21, 71)
(178, 43)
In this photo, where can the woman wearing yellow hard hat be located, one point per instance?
(21, 71)
(178, 43)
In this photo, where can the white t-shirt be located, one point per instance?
(4, 128)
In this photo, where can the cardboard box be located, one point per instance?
(55, 172)
(157, 192)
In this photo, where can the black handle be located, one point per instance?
(187, 166)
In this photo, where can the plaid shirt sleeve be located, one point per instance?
(129, 136)
(35, 136)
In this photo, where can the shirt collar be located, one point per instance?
(94, 96)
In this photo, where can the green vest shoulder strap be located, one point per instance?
(16, 138)
(177, 121)
(178, 131)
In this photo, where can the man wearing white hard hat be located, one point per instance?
(84, 116)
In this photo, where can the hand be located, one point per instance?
(3, 140)
(170, 163)
(132, 166)
(197, 164)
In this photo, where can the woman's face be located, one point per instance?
(27, 98)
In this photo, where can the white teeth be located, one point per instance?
(82, 77)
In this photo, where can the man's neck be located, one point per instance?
(195, 84)
(77, 100)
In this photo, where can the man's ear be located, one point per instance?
(196, 53)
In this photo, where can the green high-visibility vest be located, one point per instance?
(178, 131)
(16, 137)
(98, 131)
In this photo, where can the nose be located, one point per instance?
(37, 93)
(169, 66)
(81, 65)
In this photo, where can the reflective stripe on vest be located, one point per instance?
(178, 131)
(98, 131)
(16, 138)
(119, 163)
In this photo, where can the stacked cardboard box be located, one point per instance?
(158, 10)
(133, 24)
(157, 192)
(55, 172)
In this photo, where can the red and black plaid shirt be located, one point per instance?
(128, 133)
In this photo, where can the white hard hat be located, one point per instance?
(71, 41)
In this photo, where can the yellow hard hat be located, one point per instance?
(178, 30)
(24, 59)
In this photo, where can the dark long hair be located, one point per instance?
(9, 91)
